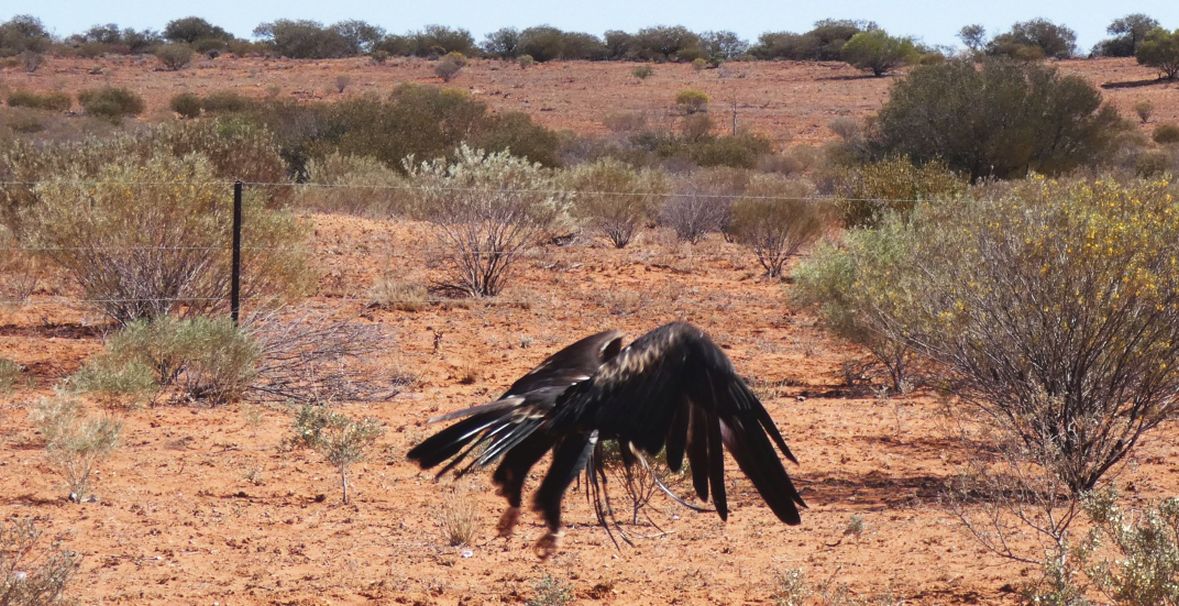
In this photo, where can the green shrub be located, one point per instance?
(32, 574)
(701, 203)
(112, 103)
(1004, 120)
(227, 101)
(879, 52)
(1012, 295)
(518, 133)
(1144, 108)
(1145, 548)
(643, 72)
(426, 122)
(854, 285)
(74, 443)
(55, 101)
(23, 121)
(187, 105)
(341, 440)
(10, 375)
(1166, 133)
(1160, 49)
(487, 209)
(449, 66)
(691, 101)
(355, 185)
(743, 150)
(775, 218)
(207, 360)
(174, 56)
(869, 191)
(525, 61)
(551, 591)
(1153, 163)
(176, 257)
(615, 199)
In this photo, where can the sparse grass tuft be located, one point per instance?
(391, 293)
(458, 521)
(551, 591)
(75, 443)
(10, 375)
(31, 574)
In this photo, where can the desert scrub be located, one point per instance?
(174, 56)
(54, 101)
(895, 184)
(615, 199)
(1054, 309)
(10, 375)
(487, 209)
(111, 103)
(550, 591)
(342, 441)
(702, 203)
(691, 102)
(187, 105)
(776, 217)
(359, 185)
(853, 282)
(1166, 133)
(74, 442)
(32, 573)
(458, 520)
(207, 360)
(1132, 557)
(153, 238)
(397, 294)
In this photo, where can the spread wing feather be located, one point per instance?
(674, 388)
(495, 428)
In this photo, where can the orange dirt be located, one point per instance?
(179, 520)
(787, 101)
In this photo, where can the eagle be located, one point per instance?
(671, 390)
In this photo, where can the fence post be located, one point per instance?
(235, 279)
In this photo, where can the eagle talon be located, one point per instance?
(547, 545)
(507, 522)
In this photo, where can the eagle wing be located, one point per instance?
(674, 388)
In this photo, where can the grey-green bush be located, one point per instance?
(110, 102)
(187, 105)
(174, 56)
(775, 218)
(1004, 120)
(55, 101)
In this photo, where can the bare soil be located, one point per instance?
(203, 505)
(790, 102)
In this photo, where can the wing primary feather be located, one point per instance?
(716, 466)
(509, 402)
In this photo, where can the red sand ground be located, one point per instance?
(787, 101)
(180, 521)
(202, 506)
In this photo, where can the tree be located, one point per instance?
(1035, 39)
(23, 33)
(190, 29)
(974, 36)
(1004, 119)
(722, 46)
(304, 39)
(1160, 49)
(1129, 31)
(503, 43)
(879, 52)
(360, 37)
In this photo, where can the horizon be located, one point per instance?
(937, 25)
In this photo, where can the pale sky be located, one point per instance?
(931, 21)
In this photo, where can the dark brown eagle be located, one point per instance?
(671, 388)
